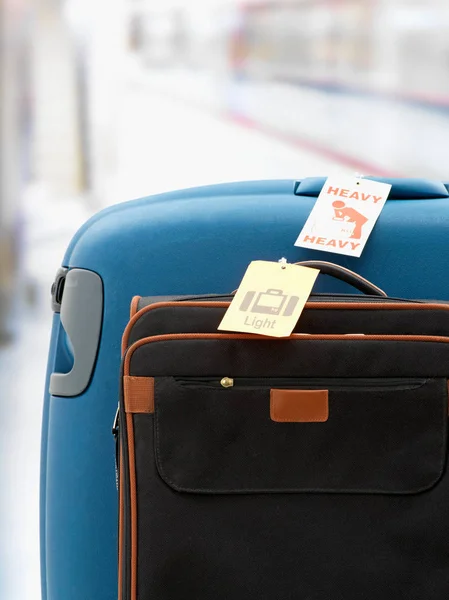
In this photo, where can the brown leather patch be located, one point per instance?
(139, 394)
(299, 406)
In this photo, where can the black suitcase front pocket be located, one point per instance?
(383, 436)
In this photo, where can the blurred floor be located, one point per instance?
(164, 144)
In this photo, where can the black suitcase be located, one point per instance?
(311, 467)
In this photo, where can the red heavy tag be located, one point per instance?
(344, 215)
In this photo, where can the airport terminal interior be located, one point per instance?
(104, 101)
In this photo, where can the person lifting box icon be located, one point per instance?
(346, 213)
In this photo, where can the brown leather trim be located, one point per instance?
(138, 394)
(299, 406)
(120, 530)
(134, 306)
(309, 305)
(146, 309)
(294, 336)
(133, 504)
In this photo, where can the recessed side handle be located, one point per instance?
(81, 318)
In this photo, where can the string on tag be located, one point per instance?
(283, 262)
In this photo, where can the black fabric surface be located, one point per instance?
(184, 319)
(303, 357)
(355, 508)
(287, 546)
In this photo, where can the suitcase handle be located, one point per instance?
(357, 281)
(402, 189)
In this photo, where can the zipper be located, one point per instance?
(336, 383)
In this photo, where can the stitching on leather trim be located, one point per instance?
(138, 394)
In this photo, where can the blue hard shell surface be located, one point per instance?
(191, 242)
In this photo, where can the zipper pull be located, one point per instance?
(115, 427)
(227, 382)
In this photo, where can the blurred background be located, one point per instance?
(107, 100)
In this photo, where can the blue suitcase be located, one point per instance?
(188, 242)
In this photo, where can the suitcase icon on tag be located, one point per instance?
(270, 302)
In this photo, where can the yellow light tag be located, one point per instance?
(270, 299)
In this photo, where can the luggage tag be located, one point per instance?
(344, 215)
(270, 298)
